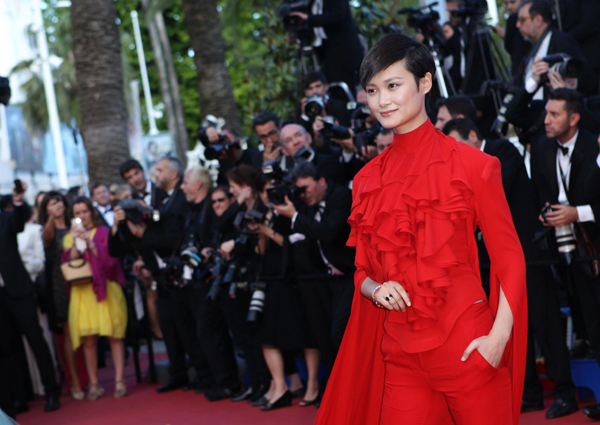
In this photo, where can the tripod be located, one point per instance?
(306, 61)
(482, 43)
(440, 72)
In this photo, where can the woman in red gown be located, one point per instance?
(424, 345)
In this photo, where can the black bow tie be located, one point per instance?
(563, 149)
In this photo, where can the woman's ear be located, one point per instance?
(426, 82)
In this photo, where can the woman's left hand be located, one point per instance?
(491, 349)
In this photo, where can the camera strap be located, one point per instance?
(191, 216)
(563, 180)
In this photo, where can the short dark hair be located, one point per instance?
(245, 174)
(311, 77)
(458, 105)
(462, 126)
(129, 165)
(88, 203)
(174, 165)
(391, 49)
(96, 186)
(573, 99)
(43, 213)
(306, 169)
(264, 117)
(221, 188)
(385, 131)
(542, 8)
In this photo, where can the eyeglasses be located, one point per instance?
(214, 201)
(523, 19)
(269, 134)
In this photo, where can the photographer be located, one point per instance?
(315, 88)
(295, 140)
(535, 25)
(325, 275)
(132, 172)
(514, 43)
(542, 291)
(562, 171)
(266, 126)
(243, 251)
(335, 39)
(229, 148)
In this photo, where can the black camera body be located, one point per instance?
(278, 193)
(296, 27)
(138, 213)
(427, 23)
(333, 131)
(471, 8)
(243, 218)
(565, 66)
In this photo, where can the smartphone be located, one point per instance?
(19, 186)
(75, 221)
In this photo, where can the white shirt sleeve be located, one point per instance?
(598, 161)
(585, 213)
(294, 219)
(530, 85)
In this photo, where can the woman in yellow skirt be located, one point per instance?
(98, 308)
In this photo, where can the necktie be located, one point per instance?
(563, 149)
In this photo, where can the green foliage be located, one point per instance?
(375, 19)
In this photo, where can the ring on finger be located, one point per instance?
(390, 296)
(387, 298)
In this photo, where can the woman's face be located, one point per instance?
(220, 202)
(395, 99)
(235, 188)
(83, 212)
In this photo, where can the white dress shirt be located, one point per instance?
(530, 85)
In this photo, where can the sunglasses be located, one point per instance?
(214, 201)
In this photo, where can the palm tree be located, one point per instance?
(97, 53)
(214, 86)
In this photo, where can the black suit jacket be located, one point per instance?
(329, 164)
(519, 195)
(16, 279)
(517, 47)
(584, 176)
(580, 20)
(332, 230)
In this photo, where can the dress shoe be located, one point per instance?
(306, 402)
(561, 408)
(219, 393)
(592, 412)
(260, 402)
(243, 396)
(172, 385)
(258, 394)
(284, 401)
(20, 406)
(528, 406)
(52, 403)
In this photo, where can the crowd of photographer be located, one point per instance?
(254, 265)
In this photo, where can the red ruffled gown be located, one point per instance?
(411, 204)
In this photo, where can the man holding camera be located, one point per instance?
(535, 25)
(18, 309)
(542, 292)
(266, 126)
(562, 170)
(141, 188)
(325, 274)
(208, 316)
(296, 146)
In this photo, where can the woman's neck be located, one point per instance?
(413, 124)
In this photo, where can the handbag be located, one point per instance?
(77, 272)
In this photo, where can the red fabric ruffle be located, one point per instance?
(405, 219)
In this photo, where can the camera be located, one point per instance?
(223, 145)
(314, 106)
(257, 303)
(333, 131)
(471, 8)
(278, 193)
(427, 23)
(138, 213)
(564, 239)
(243, 218)
(565, 66)
(296, 27)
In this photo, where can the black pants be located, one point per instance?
(587, 292)
(212, 330)
(548, 329)
(245, 337)
(20, 315)
(177, 321)
(327, 302)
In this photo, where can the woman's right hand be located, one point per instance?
(245, 194)
(398, 298)
(56, 208)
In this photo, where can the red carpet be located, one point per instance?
(143, 406)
